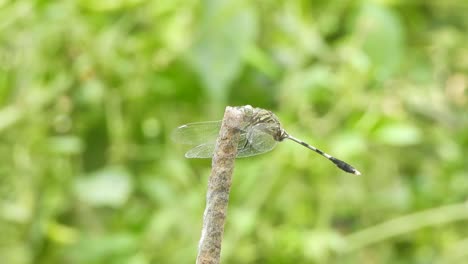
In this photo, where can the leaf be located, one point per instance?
(66, 145)
(399, 134)
(227, 29)
(109, 5)
(104, 248)
(381, 32)
(108, 187)
(319, 243)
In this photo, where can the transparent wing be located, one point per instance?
(259, 142)
(256, 140)
(197, 133)
(205, 151)
(248, 151)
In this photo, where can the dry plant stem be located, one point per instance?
(219, 185)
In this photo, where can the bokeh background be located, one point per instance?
(91, 90)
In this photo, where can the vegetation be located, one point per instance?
(91, 90)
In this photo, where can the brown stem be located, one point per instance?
(219, 185)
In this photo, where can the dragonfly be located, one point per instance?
(260, 131)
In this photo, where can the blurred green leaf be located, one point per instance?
(381, 32)
(109, 5)
(348, 143)
(9, 116)
(226, 31)
(107, 187)
(318, 244)
(66, 144)
(399, 134)
(261, 61)
(2, 2)
(110, 249)
(62, 234)
(15, 254)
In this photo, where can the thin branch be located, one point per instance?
(219, 185)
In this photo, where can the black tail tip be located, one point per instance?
(345, 166)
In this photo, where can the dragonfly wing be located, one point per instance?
(248, 151)
(206, 150)
(260, 138)
(203, 151)
(257, 143)
(197, 133)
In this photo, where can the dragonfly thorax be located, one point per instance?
(267, 122)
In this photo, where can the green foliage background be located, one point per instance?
(91, 90)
